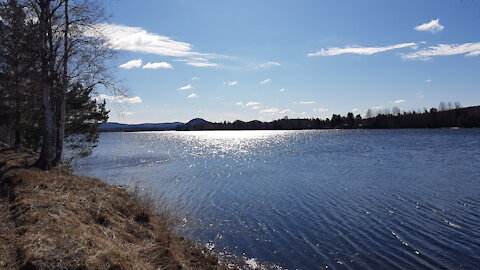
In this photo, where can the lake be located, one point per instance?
(324, 199)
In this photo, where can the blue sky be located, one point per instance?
(227, 60)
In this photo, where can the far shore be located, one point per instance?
(468, 117)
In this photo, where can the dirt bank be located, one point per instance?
(56, 220)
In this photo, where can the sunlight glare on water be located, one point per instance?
(230, 142)
(342, 199)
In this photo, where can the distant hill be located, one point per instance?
(197, 121)
(118, 127)
(195, 124)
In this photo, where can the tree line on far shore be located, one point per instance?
(446, 115)
(52, 61)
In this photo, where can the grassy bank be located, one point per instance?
(56, 220)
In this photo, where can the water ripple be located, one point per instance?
(339, 199)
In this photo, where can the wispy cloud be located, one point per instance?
(475, 53)
(433, 26)
(157, 65)
(231, 83)
(137, 39)
(252, 104)
(195, 78)
(398, 101)
(186, 87)
(193, 95)
(201, 64)
(320, 110)
(468, 49)
(419, 95)
(360, 50)
(265, 81)
(282, 90)
(132, 64)
(127, 113)
(270, 111)
(355, 110)
(428, 80)
(305, 102)
(119, 99)
(270, 64)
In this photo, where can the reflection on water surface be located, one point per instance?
(345, 199)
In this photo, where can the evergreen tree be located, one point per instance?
(84, 114)
(17, 68)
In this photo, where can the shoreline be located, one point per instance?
(306, 129)
(57, 220)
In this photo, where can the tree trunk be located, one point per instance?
(63, 92)
(18, 138)
(45, 160)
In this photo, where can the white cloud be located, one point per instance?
(270, 111)
(137, 39)
(377, 108)
(320, 110)
(157, 65)
(270, 64)
(186, 87)
(192, 96)
(469, 49)
(355, 110)
(201, 64)
(132, 64)
(428, 80)
(231, 83)
(305, 102)
(195, 78)
(282, 90)
(419, 95)
(119, 99)
(265, 81)
(475, 53)
(136, 99)
(433, 26)
(360, 50)
(284, 111)
(252, 103)
(127, 113)
(398, 101)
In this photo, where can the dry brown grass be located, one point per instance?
(55, 220)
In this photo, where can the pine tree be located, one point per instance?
(18, 63)
(84, 114)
